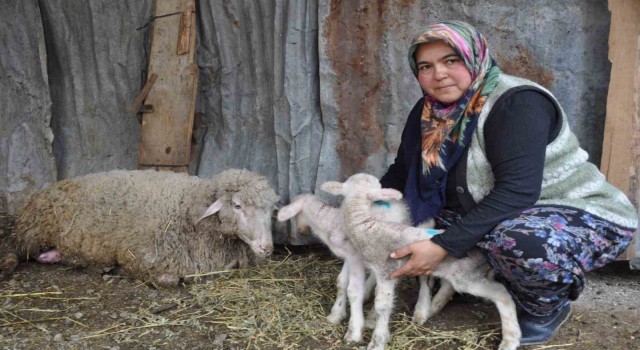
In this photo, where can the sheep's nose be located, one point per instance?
(266, 249)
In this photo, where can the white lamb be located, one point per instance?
(375, 240)
(327, 223)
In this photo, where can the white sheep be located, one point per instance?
(157, 226)
(327, 223)
(375, 240)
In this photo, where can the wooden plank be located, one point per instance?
(620, 161)
(166, 130)
(176, 169)
(185, 30)
(143, 94)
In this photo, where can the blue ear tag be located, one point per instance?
(431, 232)
(383, 204)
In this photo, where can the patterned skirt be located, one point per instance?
(541, 255)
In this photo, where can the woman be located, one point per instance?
(491, 157)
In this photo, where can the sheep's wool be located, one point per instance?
(568, 178)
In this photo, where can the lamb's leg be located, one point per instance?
(339, 308)
(422, 310)
(442, 297)
(369, 284)
(356, 291)
(497, 293)
(370, 321)
(385, 291)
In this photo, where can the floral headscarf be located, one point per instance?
(446, 129)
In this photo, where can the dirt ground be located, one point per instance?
(279, 305)
(61, 307)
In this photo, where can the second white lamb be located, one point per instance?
(375, 240)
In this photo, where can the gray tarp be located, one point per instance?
(301, 91)
(26, 161)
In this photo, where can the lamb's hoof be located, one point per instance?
(336, 318)
(378, 343)
(353, 336)
(420, 317)
(508, 345)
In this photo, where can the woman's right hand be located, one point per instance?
(425, 257)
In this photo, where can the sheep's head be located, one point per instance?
(361, 184)
(245, 202)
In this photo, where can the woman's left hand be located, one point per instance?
(425, 257)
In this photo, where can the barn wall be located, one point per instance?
(96, 60)
(26, 159)
(301, 91)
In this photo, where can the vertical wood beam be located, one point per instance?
(167, 129)
(620, 161)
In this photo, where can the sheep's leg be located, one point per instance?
(231, 265)
(422, 310)
(497, 293)
(356, 291)
(167, 280)
(339, 308)
(385, 291)
(49, 257)
(8, 264)
(442, 297)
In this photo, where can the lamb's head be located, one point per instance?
(361, 184)
(245, 202)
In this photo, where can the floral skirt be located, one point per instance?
(541, 255)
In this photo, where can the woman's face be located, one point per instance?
(441, 72)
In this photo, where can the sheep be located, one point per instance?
(157, 226)
(327, 223)
(375, 240)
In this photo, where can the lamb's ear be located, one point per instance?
(333, 187)
(213, 208)
(384, 194)
(288, 211)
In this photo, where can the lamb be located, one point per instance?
(156, 226)
(375, 240)
(327, 223)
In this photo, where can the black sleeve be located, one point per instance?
(516, 134)
(396, 176)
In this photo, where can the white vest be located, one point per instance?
(568, 178)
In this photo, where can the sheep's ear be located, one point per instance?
(213, 208)
(333, 187)
(385, 194)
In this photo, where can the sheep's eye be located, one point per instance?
(237, 206)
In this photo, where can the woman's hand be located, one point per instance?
(425, 257)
